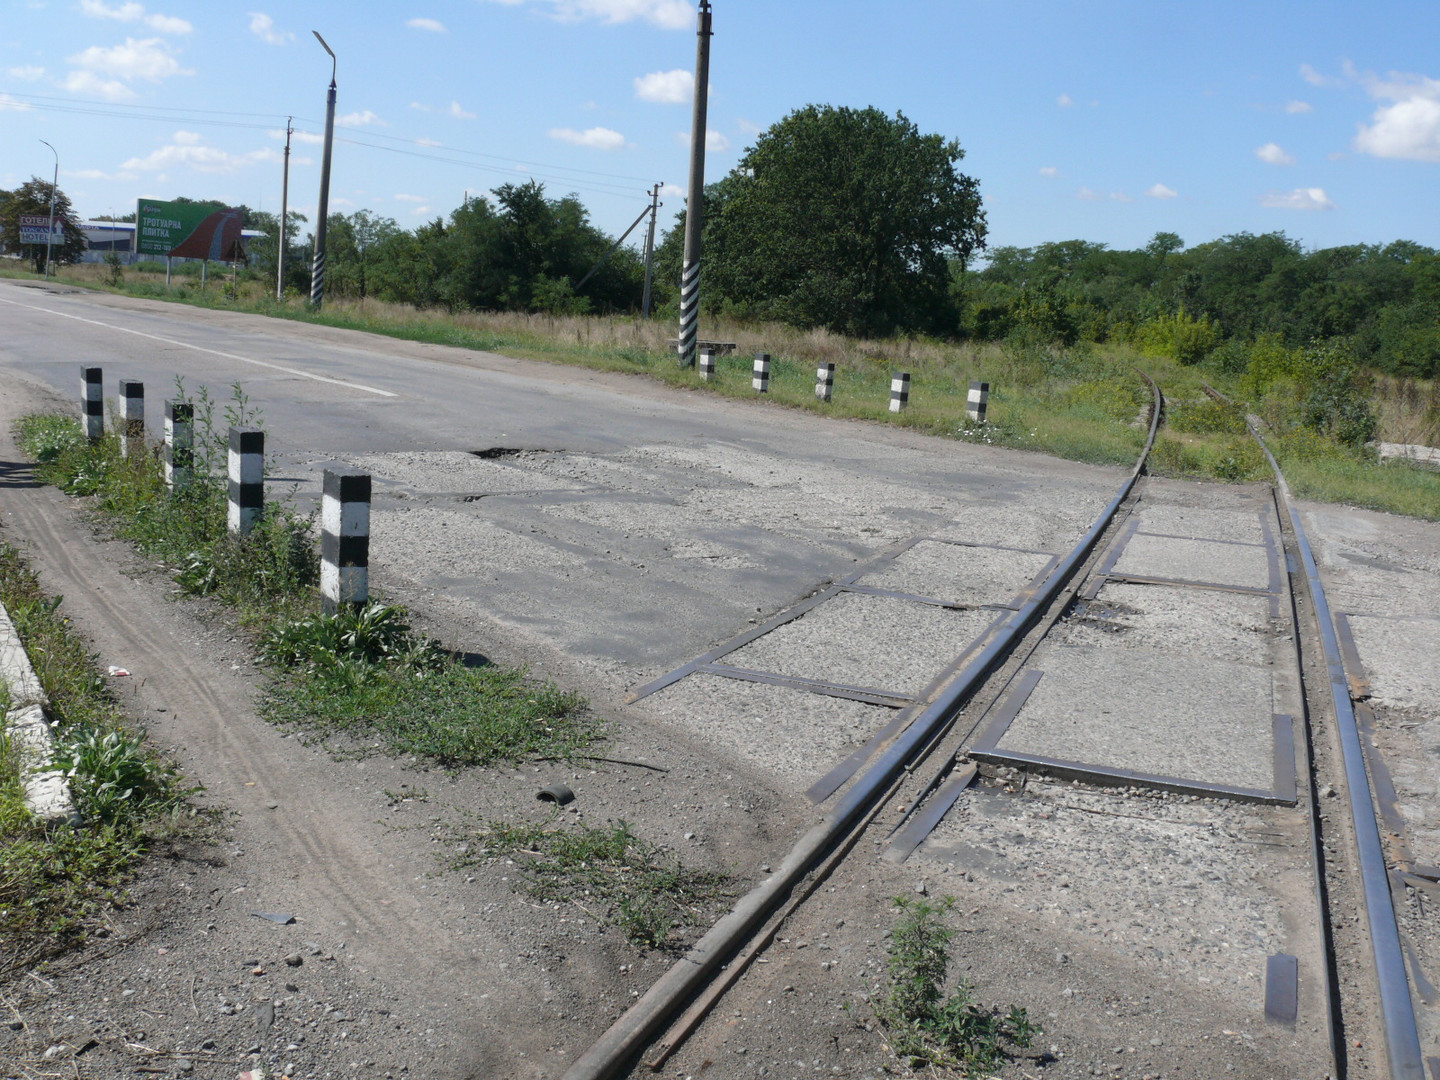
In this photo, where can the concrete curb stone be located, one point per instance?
(46, 793)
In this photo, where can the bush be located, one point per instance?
(1179, 336)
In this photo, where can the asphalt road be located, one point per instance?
(654, 523)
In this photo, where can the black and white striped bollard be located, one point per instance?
(132, 418)
(824, 381)
(345, 539)
(179, 443)
(707, 364)
(978, 400)
(92, 402)
(761, 379)
(247, 478)
(899, 391)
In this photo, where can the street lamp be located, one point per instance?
(50, 225)
(317, 273)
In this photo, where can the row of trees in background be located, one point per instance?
(856, 221)
(1380, 302)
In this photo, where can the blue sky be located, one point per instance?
(1106, 121)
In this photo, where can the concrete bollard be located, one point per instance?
(899, 391)
(247, 478)
(707, 364)
(92, 402)
(132, 418)
(978, 400)
(761, 379)
(345, 539)
(824, 381)
(179, 444)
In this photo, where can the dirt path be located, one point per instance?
(401, 969)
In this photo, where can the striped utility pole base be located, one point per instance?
(345, 539)
(707, 364)
(761, 377)
(132, 418)
(689, 313)
(978, 400)
(247, 478)
(824, 381)
(92, 402)
(179, 443)
(899, 391)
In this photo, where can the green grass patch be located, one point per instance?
(607, 871)
(364, 678)
(53, 881)
(1319, 469)
(925, 1024)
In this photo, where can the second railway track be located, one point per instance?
(1137, 753)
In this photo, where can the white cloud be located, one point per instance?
(1120, 196)
(1409, 126)
(1087, 195)
(454, 109)
(1314, 78)
(747, 126)
(1299, 107)
(1049, 170)
(409, 198)
(8, 102)
(310, 137)
(669, 14)
(1273, 154)
(435, 26)
(263, 27)
(91, 85)
(133, 12)
(100, 174)
(360, 119)
(186, 149)
(1160, 191)
(666, 87)
(714, 141)
(150, 59)
(598, 138)
(26, 74)
(672, 191)
(1300, 199)
(428, 142)
(1064, 101)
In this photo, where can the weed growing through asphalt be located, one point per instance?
(608, 872)
(54, 880)
(360, 676)
(362, 679)
(923, 1023)
(268, 574)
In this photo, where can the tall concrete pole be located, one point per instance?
(317, 273)
(650, 250)
(50, 225)
(695, 198)
(284, 212)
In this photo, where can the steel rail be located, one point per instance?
(1397, 1007)
(628, 1035)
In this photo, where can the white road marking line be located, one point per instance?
(201, 348)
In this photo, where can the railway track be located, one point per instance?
(1176, 675)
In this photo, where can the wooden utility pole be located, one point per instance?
(695, 198)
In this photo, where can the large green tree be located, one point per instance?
(33, 197)
(844, 218)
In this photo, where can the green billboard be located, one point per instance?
(188, 229)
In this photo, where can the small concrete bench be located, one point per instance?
(720, 348)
